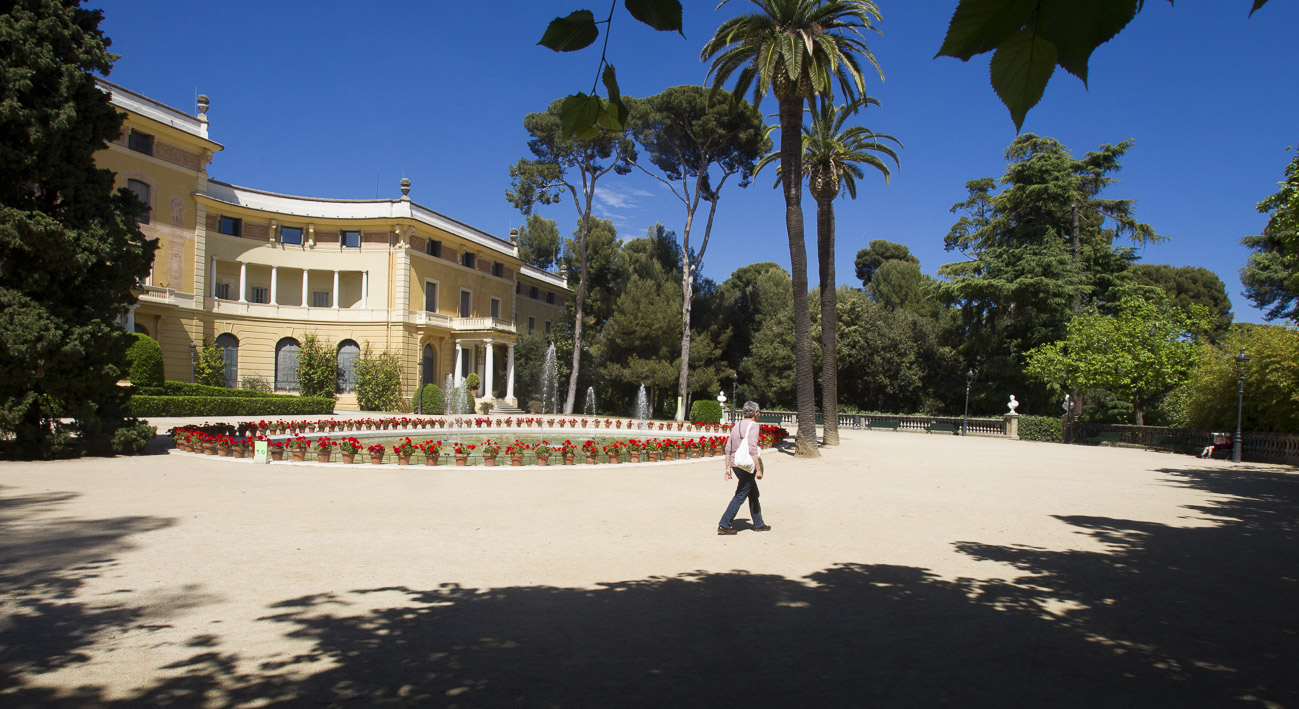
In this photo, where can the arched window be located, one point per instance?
(430, 361)
(141, 329)
(348, 353)
(286, 365)
(229, 345)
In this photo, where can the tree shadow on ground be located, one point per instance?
(44, 561)
(1163, 616)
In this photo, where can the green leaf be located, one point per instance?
(614, 116)
(610, 80)
(980, 26)
(1078, 28)
(569, 34)
(662, 15)
(1020, 69)
(579, 112)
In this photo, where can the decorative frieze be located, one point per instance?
(256, 231)
(177, 156)
(418, 243)
(375, 237)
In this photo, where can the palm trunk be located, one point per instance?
(829, 321)
(791, 171)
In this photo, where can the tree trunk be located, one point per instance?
(1139, 408)
(1077, 254)
(829, 321)
(687, 291)
(581, 300)
(791, 171)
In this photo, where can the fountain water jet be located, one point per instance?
(588, 407)
(642, 411)
(549, 383)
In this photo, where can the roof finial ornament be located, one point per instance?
(405, 188)
(514, 236)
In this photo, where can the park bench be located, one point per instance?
(890, 425)
(938, 427)
(769, 418)
(1111, 437)
(1168, 443)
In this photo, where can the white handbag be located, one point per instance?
(742, 457)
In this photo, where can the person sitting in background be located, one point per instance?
(1221, 442)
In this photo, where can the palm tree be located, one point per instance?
(795, 48)
(833, 156)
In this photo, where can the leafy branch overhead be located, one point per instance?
(588, 115)
(1030, 38)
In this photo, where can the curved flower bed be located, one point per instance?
(290, 440)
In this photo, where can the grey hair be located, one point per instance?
(750, 408)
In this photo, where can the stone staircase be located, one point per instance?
(503, 410)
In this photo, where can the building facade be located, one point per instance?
(254, 272)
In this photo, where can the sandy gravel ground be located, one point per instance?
(903, 570)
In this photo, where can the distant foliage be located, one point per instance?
(1041, 428)
(706, 411)
(1271, 400)
(133, 439)
(317, 368)
(257, 383)
(210, 366)
(378, 380)
(145, 361)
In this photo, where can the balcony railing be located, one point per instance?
(482, 324)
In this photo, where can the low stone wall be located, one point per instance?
(1255, 446)
(1004, 426)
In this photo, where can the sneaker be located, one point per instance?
(726, 530)
(763, 528)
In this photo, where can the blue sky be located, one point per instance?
(341, 99)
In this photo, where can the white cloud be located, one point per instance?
(624, 198)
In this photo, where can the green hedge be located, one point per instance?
(145, 406)
(430, 400)
(706, 411)
(1041, 428)
(187, 389)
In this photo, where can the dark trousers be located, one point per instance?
(746, 486)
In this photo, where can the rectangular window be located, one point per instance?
(532, 325)
(518, 287)
(290, 235)
(550, 298)
(468, 260)
(466, 303)
(496, 307)
(433, 248)
(350, 239)
(498, 269)
(320, 299)
(532, 292)
(431, 297)
(222, 291)
(231, 226)
(140, 142)
(261, 295)
(547, 326)
(141, 190)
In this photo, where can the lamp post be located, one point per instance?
(193, 351)
(969, 379)
(1241, 360)
(419, 391)
(735, 377)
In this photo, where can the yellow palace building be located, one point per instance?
(254, 272)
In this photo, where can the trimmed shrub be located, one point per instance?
(210, 367)
(144, 359)
(133, 439)
(472, 382)
(706, 411)
(1041, 428)
(146, 406)
(187, 389)
(534, 407)
(430, 400)
(257, 383)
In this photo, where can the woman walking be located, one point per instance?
(742, 460)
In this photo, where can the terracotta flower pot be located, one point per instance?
(299, 455)
(669, 455)
(614, 459)
(209, 449)
(634, 457)
(431, 458)
(653, 456)
(277, 454)
(462, 459)
(237, 452)
(403, 459)
(591, 459)
(543, 460)
(568, 458)
(489, 460)
(376, 459)
(348, 457)
(516, 459)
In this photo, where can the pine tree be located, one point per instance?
(70, 247)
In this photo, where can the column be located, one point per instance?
(305, 294)
(212, 289)
(459, 373)
(275, 285)
(130, 319)
(335, 295)
(488, 365)
(365, 289)
(509, 371)
(243, 282)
